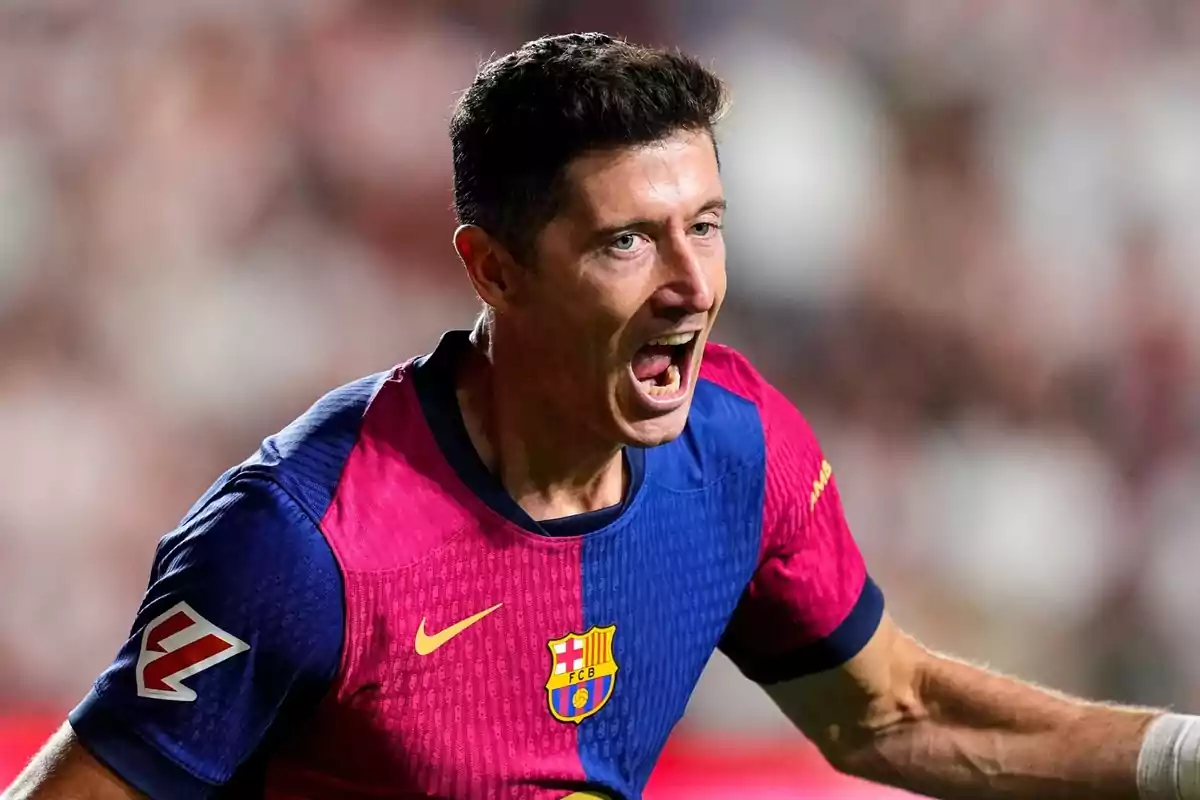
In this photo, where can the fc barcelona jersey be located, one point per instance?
(361, 610)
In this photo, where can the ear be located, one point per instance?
(493, 272)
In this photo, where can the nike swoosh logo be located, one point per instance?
(427, 643)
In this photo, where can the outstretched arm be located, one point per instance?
(811, 628)
(901, 715)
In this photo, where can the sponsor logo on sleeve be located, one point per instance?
(176, 645)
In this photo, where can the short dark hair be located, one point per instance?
(528, 114)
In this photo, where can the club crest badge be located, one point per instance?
(582, 673)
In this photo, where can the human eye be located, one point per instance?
(706, 229)
(626, 243)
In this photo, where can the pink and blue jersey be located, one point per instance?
(361, 610)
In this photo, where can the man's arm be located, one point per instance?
(65, 770)
(239, 633)
(900, 715)
(811, 628)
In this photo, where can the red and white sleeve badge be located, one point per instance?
(177, 644)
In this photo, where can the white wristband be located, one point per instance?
(1169, 763)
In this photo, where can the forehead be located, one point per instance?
(674, 176)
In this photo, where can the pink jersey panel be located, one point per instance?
(419, 551)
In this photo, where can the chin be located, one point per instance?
(655, 431)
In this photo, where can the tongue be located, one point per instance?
(651, 361)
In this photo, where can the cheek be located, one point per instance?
(607, 304)
(579, 320)
(572, 329)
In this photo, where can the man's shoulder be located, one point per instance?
(307, 457)
(729, 387)
(725, 368)
(736, 405)
(324, 434)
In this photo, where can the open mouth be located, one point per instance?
(662, 366)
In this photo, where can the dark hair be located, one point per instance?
(528, 114)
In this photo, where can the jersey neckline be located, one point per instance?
(434, 380)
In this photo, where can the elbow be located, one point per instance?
(868, 748)
(854, 751)
(873, 755)
(873, 712)
(858, 760)
(844, 760)
(861, 765)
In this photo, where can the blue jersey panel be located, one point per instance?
(668, 576)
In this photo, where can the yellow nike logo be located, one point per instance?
(427, 643)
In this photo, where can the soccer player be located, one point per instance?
(498, 570)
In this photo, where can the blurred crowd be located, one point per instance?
(960, 238)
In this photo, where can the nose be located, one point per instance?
(688, 285)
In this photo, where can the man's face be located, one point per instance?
(628, 280)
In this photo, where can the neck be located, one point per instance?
(552, 466)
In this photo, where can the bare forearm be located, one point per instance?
(968, 733)
(64, 770)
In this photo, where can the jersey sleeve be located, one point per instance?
(810, 605)
(240, 628)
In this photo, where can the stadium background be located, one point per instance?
(962, 237)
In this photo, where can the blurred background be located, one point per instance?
(961, 238)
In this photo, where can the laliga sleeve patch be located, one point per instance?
(177, 644)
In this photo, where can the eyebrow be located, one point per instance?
(716, 204)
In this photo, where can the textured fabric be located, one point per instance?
(472, 718)
(479, 657)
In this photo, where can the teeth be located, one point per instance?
(654, 390)
(674, 339)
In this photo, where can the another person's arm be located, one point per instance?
(241, 627)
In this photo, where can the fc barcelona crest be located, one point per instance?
(582, 673)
